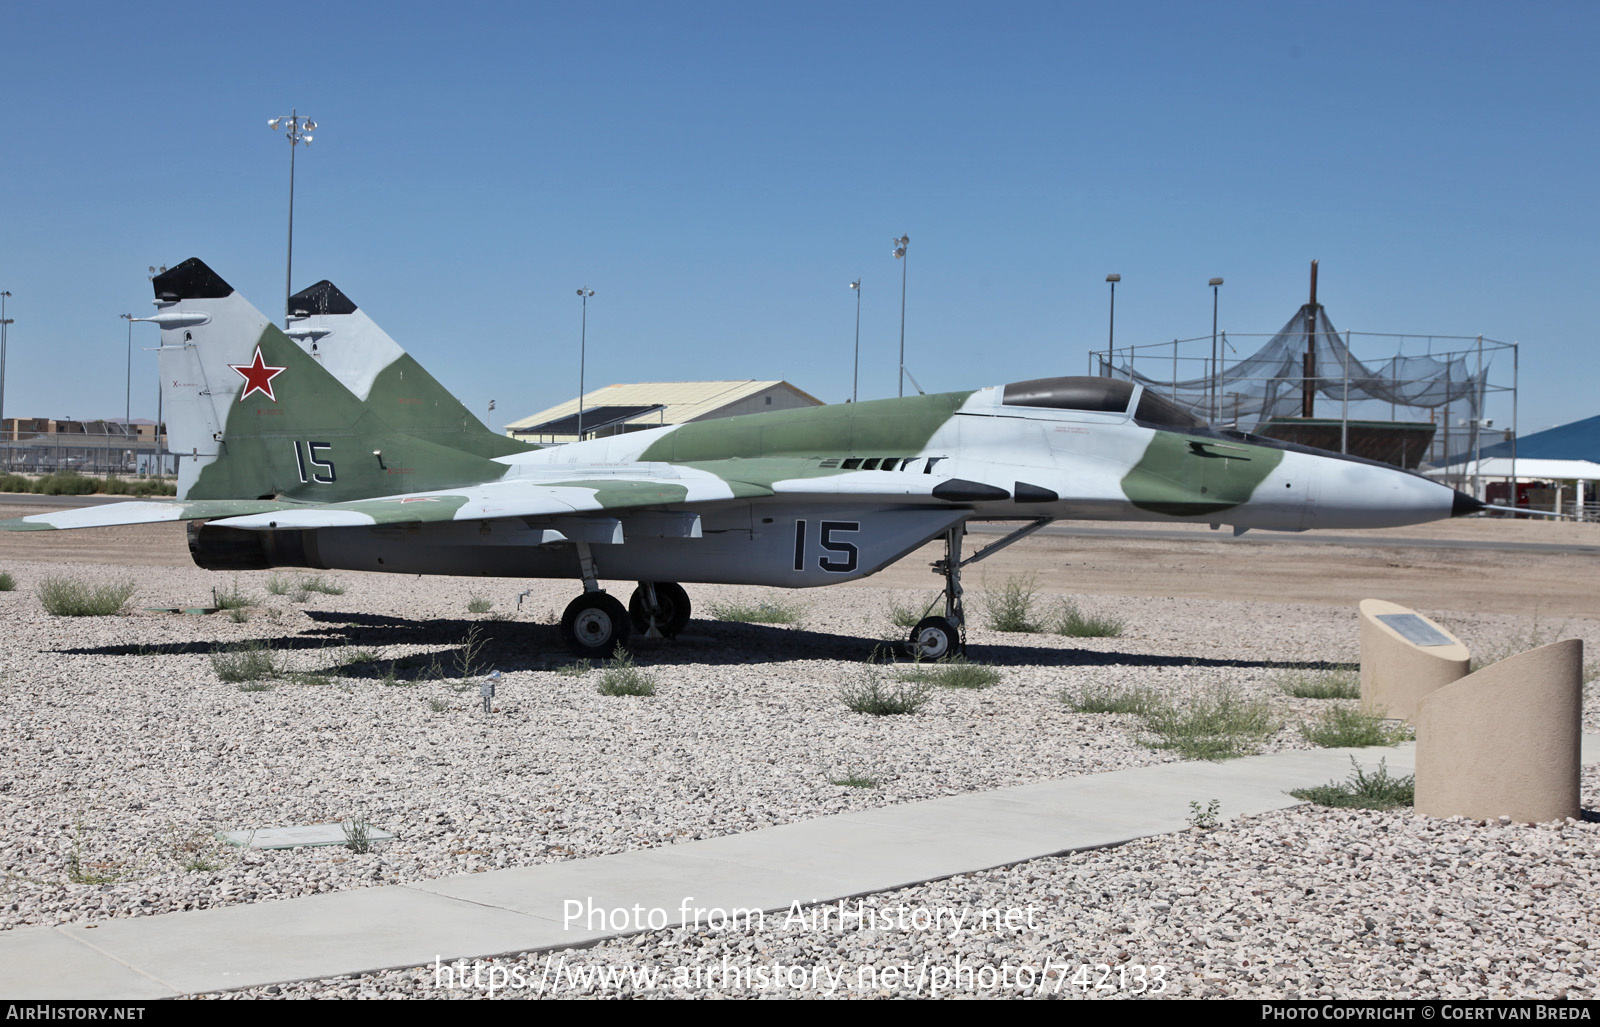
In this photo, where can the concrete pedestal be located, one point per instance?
(1397, 671)
(1505, 740)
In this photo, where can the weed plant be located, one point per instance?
(854, 780)
(575, 669)
(471, 648)
(69, 597)
(1074, 623)
(1098, 698)
(358, 835)
(1207, 818)
(199, 851)
(478, 604)
(622, 677)
(869, 693)
(908, 615)
(300, 586)
(1350, 727)
(235, 598)
(245, 662)
(1320, 682)
(1010, 607)
(1217, 724)
(318, 583)
(1362, 790)
(952, 672)
(1535, 637)
(768, 612)
(7, 582)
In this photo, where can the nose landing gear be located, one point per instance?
(935, 638)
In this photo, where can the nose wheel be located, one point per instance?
(935, 638)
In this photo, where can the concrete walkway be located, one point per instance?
(521, 909)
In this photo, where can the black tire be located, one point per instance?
(674, 604)
(594, 625)
(935, 638)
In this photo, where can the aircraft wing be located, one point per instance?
(141, 512)
(587, 491)
(597, 491)
(516, 497)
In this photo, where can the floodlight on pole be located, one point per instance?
(127, 396)
(1215, 284)
(900, 246)
(583, 349)
(1111, 334)
(298, 128)
(4, 321)
(161, 444)
(855, 380)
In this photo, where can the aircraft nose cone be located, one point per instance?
(1464, 504)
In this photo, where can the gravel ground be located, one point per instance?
(125, 752)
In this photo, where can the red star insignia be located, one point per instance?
(257, 377)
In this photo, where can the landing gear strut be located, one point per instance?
(594, 624)
(935, 638)
(659, 609)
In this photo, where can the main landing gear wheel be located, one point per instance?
(671, 613)
(594, 625)
(935, 638)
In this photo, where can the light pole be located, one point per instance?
(1215, 283)
(161, 431)
(900, 245)
(1111, 333)
(583, 352)
(298, 128)
(127, 395)
(4, 321)
(855, 380)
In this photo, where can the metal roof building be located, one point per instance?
(623, 408)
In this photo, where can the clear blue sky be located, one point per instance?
(718, 173)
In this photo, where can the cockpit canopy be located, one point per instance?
(1101, 395)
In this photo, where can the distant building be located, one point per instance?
(44, 445)
(616, 409)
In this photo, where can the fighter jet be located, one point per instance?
(326, 446)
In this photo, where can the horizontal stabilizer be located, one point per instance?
(141, 512)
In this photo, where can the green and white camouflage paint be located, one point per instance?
(328, 446)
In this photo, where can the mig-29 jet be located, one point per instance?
(325, 445)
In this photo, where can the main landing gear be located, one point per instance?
(594, 624)
(935, 638)
(659, 609)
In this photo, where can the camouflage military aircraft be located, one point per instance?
(325, 445)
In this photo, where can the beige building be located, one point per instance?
(43, 445)
(616, 409)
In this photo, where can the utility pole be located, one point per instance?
(583, 349)
(298, 128)
(900, 245)
(1111, 334)
(4, 321)
(1215, 283)
(855, 380)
